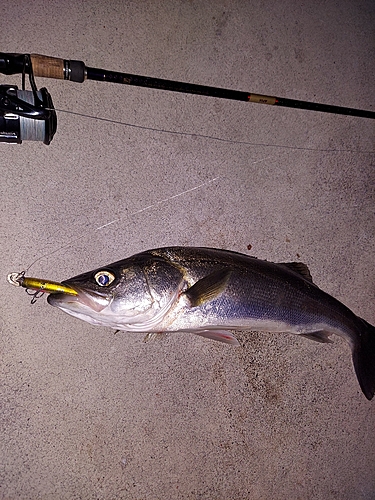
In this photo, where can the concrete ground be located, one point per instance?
(87, 414)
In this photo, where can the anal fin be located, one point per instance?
(319, 336)
(219, 335)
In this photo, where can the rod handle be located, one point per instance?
(53, 67)
(48, 67)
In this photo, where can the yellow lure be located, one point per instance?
(40, 285)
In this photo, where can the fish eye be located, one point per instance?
(104, 278)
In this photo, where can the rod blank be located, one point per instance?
(51, 67)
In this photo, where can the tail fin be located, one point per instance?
(364, 359)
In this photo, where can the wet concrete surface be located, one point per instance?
(89, 414)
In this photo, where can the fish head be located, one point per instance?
(110, 296)
(125, 295)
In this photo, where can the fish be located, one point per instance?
(212, 292)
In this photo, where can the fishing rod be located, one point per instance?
(77, 71)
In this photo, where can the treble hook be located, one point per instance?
(18, 279)
(35, 295)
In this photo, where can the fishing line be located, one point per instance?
(119, 219)
(23, 105)
(210, 137)
(184, 134)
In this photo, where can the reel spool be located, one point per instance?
(25, 115)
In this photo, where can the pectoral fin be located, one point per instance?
(208, 288)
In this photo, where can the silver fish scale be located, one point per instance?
(258, 290)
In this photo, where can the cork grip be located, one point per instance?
(48, 67)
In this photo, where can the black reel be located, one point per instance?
(26, 115)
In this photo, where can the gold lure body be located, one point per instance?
(39, 285)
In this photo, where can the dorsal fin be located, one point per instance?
(299, 268)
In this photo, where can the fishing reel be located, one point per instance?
(26, 115)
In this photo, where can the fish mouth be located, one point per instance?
(80, 300)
